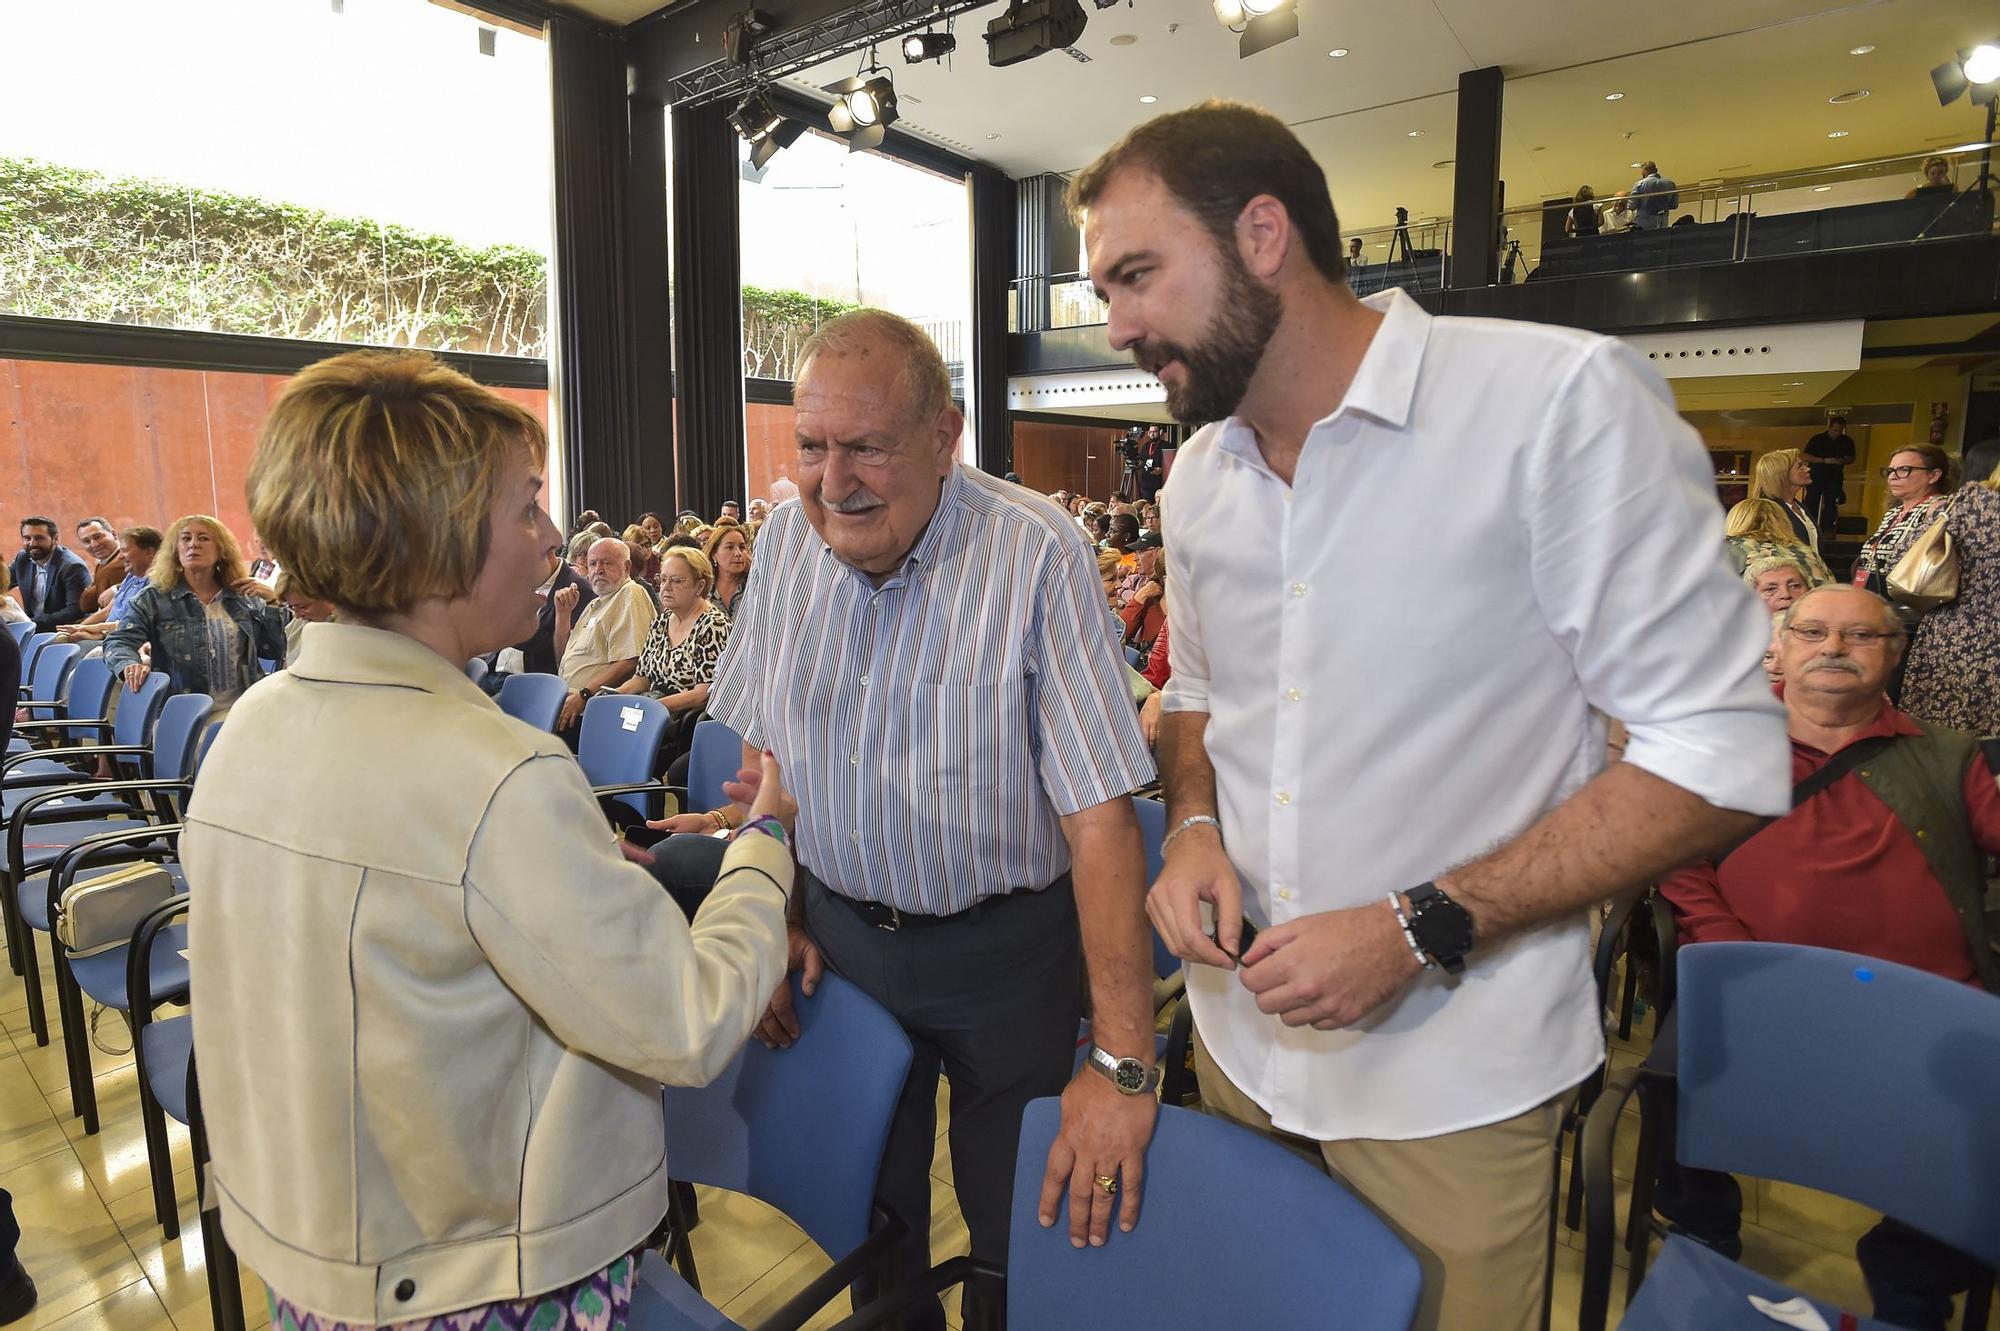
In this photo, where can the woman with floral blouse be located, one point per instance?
(677, 663)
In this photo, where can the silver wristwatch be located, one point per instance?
(1129, 1075)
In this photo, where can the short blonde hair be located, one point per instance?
(375, 476)
(697, 564)
(1760, 520)
(1771, 478)
(165, 575)
(924, 380)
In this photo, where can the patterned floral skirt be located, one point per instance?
(597, 1302)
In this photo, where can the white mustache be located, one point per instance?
(858, 502)
(1840, 663)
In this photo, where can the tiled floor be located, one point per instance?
(90, 1242)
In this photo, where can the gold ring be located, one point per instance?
(1108, 1184)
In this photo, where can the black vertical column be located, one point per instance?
(992, 211)
(650, 304)
(1475, 196)
(708, 309)
(593, 367)
(1045, 246)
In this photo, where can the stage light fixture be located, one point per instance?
(866, 109)
(763, 128)
(1976, 71)
(739, 39)
(1033, 27)
(1262, 23)
(921, 46)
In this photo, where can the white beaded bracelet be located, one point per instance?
(1409, 934)
(1198, 820)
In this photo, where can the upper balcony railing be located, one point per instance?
(1885, 201)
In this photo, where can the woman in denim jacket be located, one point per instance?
(202, 618)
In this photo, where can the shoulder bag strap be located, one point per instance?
(1834, 768)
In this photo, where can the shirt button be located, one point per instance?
(854, 760)
(1284, 894)
(1298, 589)
(854, 835)
(864, 681)
(1284, 797)
(1292, 695)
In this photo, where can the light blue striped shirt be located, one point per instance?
(935, 729)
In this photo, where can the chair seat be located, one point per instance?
(102, 975)
(169, 1046)
(13, 799)
(1691, 1287)
(32, 892)
(662, 1301)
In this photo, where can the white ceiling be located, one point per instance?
(615, 12)
(1713, 88)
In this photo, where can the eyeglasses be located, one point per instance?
(1898, 473)
(1817, 633)
(677, 582)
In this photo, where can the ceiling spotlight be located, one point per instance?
(1863, 49)
(866, 109)
(1838, 134)
(1976, 71)
(1415, 134)
(1635, 165)
(1843, 98)
(1124, 38)
(763, 128)
(1338, 52)
(1263, 23)
(739, 39)
(1614, 96)
(1148, 99)
(1821, 189)
(921, 46)
(1033, 27)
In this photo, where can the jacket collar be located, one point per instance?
(355, 654)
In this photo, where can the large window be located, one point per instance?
(371, 171)
(825, 230)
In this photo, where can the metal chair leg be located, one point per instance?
(159, 1152)
(10, 912)
(31, 975)
(76, 1044)
(225, 1283)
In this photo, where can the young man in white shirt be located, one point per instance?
(1391, 765)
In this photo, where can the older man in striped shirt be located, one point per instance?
(924, 646)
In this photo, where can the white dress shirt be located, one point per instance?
(1503, 527)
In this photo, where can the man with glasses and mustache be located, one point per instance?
(1881, 857)
(1348, 734)
(924, 646)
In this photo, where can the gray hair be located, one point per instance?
(1891, 621)
(1771, 564)
(924, 380)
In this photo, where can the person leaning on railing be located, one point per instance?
(436, 1003)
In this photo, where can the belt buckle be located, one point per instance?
(894, 924)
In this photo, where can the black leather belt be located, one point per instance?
(889, 918)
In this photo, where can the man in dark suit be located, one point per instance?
(539, 652)
(52, 578)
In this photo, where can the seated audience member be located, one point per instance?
(1121, 530)
(686, 522)
(678, 541)
(300, 610)
(731, 511)
(598, 647)
(1145, 611)
(1884, 861)
(634, 534)
(1113, 579)
(677, 663)
(584, 521)
(210, 625)
(1937, 179)
(651, 530)
(728, 555)
(1778, 581)
(538, 653)
(1774, 663)
(578, 556)
(450, 1113)
(10, 602)
(760, 509)
(101, 544)
(645, 568)
(1759, 529)
(137, 547)
(51, 578)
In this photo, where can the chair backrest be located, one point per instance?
(803, 1128)
(31, 649)
(715, 756)
(208, 734)
(22, 630)
(139, 712)
(182, 719)
(476, 669)
(534, 699)
(1152, 831)
(90, 694)
(1853, 1076)
(52, 669)
(1235, 1232)
(620, 741)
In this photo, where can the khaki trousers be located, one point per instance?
(1473, 1205)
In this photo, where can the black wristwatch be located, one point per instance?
(1442, 927)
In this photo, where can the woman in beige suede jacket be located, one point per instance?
(433, 1002)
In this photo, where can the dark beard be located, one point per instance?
(1219, 369)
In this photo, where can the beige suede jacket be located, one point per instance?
(433, 1004)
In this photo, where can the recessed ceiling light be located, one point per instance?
(1123, 39)
(1614, 96)
(1838, 134)
(1634, 165)
(1793, 383)
(1338, 52)
(1149, 99)
(1416, 134)
(1821, 189)
(1843, 98)
(1863, 49)
(992, 136)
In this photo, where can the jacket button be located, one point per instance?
(405, 1290)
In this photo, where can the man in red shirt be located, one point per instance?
(1885, 860)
